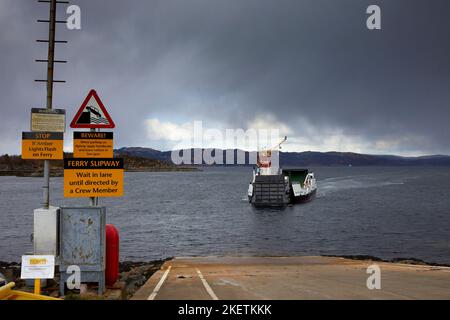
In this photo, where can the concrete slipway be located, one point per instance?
(291, 278)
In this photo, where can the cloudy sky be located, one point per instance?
(308, 67)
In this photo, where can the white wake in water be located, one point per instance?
(336, 184)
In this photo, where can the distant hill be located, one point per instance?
(356, 159)
(314, 158)
(146, 153)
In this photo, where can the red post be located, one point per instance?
(112, 255)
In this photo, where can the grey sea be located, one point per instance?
(401, 212)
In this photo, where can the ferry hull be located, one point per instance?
(279, 190)
(304, 198)
(269, 191)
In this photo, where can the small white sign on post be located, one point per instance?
(38, 267)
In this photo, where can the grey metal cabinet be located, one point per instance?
(82, 244)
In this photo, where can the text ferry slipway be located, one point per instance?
(94, 163)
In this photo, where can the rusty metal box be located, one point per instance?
(82, 243)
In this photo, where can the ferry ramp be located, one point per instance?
(291, 278)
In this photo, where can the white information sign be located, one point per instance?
(38, 267)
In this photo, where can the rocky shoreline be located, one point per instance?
(412, 261)
(136, 274)
(132, 275)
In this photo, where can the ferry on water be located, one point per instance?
(274, 186)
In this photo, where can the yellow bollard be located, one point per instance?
(37, 286)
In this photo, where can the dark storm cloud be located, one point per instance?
(228, 61)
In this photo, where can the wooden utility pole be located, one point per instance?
(50, 81)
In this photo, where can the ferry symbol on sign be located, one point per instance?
(92, 114)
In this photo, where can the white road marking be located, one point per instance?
(207, 287)
(159, 285)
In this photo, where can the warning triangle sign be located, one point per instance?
(92, 114)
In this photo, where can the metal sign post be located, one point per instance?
(49, 105)
(50, 81)
(94, 200)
